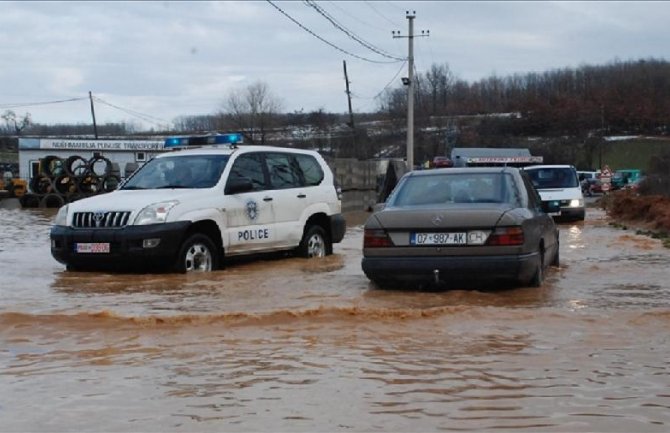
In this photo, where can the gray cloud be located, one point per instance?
(168, 59)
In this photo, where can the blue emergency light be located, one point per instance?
(200, 140)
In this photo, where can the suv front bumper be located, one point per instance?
(126, 245)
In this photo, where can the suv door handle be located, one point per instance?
(267, 199)
(301, 195)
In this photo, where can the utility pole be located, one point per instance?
(351, 113)
(346, 81)
(95, 127)
(409, 82)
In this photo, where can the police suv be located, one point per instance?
(189, 208)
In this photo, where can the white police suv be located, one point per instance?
(188, 209)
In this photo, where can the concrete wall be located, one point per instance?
(361, 181)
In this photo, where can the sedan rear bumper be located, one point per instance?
(446, 269)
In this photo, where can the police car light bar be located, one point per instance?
(199, 140)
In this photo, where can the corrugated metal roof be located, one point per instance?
(470, 152)
(467, 156)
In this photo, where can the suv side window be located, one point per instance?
(250, 165)
(284, 173)
(310, 168)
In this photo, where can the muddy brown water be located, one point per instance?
(311, 345)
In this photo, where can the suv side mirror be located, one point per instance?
(237, 185)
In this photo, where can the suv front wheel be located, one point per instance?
(197, 254)
(314, 243)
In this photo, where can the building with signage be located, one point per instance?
(489, 156)
(128, 154)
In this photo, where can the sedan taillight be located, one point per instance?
(376, 238)
(505, 236)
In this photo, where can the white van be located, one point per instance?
(189, 209)
(559, 183)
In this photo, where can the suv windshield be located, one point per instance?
(179, 171)
(553, 177)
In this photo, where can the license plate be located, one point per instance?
(555, 213)
(92, 248)
(438, 239)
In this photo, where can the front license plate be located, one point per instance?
(92, 248)
(438, 239)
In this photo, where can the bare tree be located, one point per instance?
(440, 79)
(253, 110)
(14, 123)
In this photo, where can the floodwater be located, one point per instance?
(310, 345)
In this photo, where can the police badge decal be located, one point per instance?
(252, 210)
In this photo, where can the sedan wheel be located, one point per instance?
(537, 279)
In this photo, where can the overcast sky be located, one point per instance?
(156, 60)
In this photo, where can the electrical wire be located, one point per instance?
(387, 85)
(322, 39)
(380, 14)
(349, 33)
(35, 104)
(355, 17)
(391, 81)
(145, 117)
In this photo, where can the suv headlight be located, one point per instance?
(61, 216)
(155, 213)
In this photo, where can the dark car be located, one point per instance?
(447, 226)
(442, 162)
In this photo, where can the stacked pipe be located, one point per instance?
(61, 181)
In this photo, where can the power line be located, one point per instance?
(349, 33)
(355, 17)
(146, 117)
(322, 39)
(35, 104)
(387, 85)
(380, 14)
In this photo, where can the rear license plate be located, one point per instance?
(92, 248)
(438, 239)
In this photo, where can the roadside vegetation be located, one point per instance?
(648, 208)
(647, 215)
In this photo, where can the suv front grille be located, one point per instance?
(100, 219)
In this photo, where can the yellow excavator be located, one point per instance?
(11, 187)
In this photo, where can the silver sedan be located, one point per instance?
(453, 225)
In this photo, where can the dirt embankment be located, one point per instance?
(647, 212)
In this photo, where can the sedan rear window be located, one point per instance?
(456, 188)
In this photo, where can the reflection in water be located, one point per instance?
(288, 344)
(574, 240)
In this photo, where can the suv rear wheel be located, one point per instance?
(314, 243)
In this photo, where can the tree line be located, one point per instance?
(622, 97)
